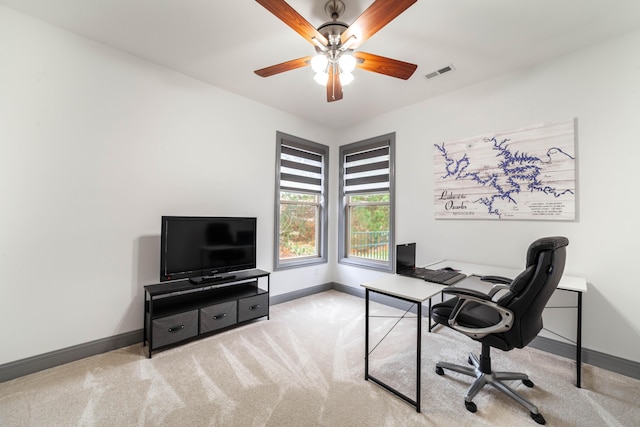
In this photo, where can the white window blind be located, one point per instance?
(366, 170)
(300, 169)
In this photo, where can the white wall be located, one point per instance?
(95, 146)
(599, 86)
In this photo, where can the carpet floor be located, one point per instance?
(305, 367)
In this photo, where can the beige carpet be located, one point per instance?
(305, 367)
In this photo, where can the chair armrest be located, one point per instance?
(468, 296)
(496, 279)
(465, 292)
(499, 283)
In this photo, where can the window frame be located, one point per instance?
(283, 139)
(343, 224)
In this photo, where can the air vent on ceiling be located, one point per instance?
(440, 71)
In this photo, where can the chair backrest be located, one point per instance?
(530, 291)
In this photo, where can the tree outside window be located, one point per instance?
(299, 215)
(369, 222)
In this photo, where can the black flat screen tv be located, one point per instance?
(206, 247)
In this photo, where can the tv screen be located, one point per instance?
(206, 246)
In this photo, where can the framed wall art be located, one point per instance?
(526, 174)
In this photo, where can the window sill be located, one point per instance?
(368, 264)
(286, 265)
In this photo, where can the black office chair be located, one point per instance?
(508, 317)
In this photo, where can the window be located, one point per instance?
(367, 199)
(300, 208)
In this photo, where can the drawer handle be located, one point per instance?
(220, 316)
(254, 307)
(176, 328)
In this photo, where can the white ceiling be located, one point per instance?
(222, 42)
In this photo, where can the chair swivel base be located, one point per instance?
(493, 378)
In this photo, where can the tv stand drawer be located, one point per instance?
(171, 329)
(218, 316)
(253, 307)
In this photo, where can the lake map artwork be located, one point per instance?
(524, 174)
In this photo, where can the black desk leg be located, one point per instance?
(429, 314)
(419, 354)
(366, 336)
(579, 344)
(368, 377)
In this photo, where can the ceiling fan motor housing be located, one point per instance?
(332, 31)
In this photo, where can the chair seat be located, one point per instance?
(474, 316)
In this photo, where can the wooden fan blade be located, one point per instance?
(387, 66)
(334, 86)
(293, 19)
(379, 14)
(285, 66)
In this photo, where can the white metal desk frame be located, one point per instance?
(405, 289)
(567, 283)
(417, 291)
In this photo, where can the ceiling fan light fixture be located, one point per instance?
(347, 63)
(319, 63)
(345, 78)
(321, 78)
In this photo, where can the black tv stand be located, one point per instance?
(180, 311)
(211, 279)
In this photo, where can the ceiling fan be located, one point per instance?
(335, 42)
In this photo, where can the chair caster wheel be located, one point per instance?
(538, 418)
(528, 383)
(471, 407)
(439, 370)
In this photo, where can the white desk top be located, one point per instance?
(405, 287)
(418, 290)
(567, 283)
